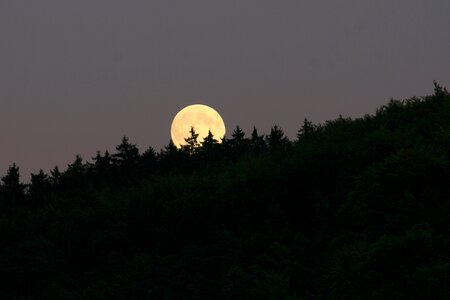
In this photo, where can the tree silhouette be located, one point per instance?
(208, 146)
(237, 144)
(148, 161)
(55, 176)
(209, 141)
(257, 141)
(238, 135)
(276, 138)
(305, 131)
(238, 139)
(170, 148)
(77, 168)
(127, 153)
(103, 168)
(103, 163)
(439, 91)
(12, 190)
(192, 144)
(40, 188)
(74, 176)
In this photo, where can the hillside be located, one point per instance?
(352, 209)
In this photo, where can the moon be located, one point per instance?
(203, 118)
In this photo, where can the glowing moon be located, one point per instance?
(203, 118)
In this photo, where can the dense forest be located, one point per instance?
(350, 209)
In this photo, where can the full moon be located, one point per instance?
(203, 118)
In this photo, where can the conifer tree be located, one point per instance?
(102, 163)
(170, 148)
(103, 168)
(237, 138)
(238, 134)
(192, 144)
(306, 130)
(77, 168)
(148, 160)
(257, 141)
(127, 153)
(39, 188)
(12, 190)
(55, 176)
(74, 176)
(276, 138)
(209, 142)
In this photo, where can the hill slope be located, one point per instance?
(354, 209)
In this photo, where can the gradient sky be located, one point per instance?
(75, 76)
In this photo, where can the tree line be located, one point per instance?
(351, 209)
(127, 165)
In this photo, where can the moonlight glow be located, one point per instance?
(203, 118)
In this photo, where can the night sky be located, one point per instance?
(76, 76)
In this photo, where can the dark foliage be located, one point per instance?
(354, 209)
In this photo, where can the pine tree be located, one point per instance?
(39, 188)
(276, 138)
(192, 145)
(55, 176)
(103, 168)
(170, 157)
(209, 142)
(306, 130)
(238, 134)
(127, 153)
(257, 141)
(170, 148)
(77, 168)
(102, 163)
(12, 191)
(148, 160)
(238, 138)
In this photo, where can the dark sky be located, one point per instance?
(78, 75)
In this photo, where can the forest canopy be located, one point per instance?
(350, 209)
